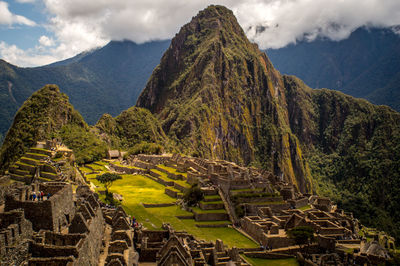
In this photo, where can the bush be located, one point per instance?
(145, 148)
(109, 199)
(193, 196)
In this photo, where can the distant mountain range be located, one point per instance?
(215, 95)
(110, 79)
(105, 80)
(365, 65)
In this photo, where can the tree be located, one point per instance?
(302, 235)
(193, 195)
(107, 179)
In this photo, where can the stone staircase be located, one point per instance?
(211, 209)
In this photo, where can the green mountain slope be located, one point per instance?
(217, 96)
(47, 114)
(353, 149)
(133, 126)
(106, 80)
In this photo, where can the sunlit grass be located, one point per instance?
(307, 207)
(165, 177)
(172, 170)
(271, 262)
(138, 189)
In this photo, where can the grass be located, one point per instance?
(137, 189)
(85, 169)
(217, 197)
(97, 167)
(212, 202)
(165, 177)
(271, 262)
(198, 210)
(37, 154)
(307, 207)
(266, 203)
(172, 170)
(127, 166)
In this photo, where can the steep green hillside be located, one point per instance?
(106, 80)
(46, 114)
(218, 96)
(366, 65)
(353, 149)
(133, 126)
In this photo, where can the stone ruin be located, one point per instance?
(270, 206)
(170, 247)
(76, 229)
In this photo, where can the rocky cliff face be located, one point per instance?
(218, 96)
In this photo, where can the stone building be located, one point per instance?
(50, 214)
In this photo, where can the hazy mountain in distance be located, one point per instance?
(105, 80)
(365, 65)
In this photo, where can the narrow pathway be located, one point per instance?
(107, 238)
(232, 216)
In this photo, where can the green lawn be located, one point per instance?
(307, 207)
(127, 166)
(212, 202)
(172, 170)
(198, 210)
(270, 262)
(216, 197)
(137, 189)
(97, 167)
(165, 177)
(85, 169)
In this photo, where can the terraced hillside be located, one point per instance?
(244, 207)
(35, 163)
(151, 193)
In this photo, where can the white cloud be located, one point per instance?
(283, 22)
(46, 41)
(30, 57)
(8, 18)
(81, 25)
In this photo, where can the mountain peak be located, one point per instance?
(213, 34)
(215, 91)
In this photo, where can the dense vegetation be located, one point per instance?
(366, 65)
(215, 94)
(45, 112)
(222, 98)
(134, 129)
(106, 80)
(86, 145)
(45, 115)
(353, 150)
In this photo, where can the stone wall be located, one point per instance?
(211, 216)
(14, 232)
(47, 214)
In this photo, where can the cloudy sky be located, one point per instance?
(38, 32)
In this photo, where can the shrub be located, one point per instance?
(193, 196)
(145, 148)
